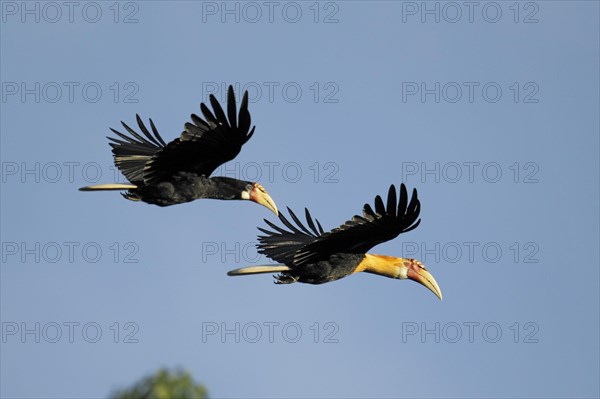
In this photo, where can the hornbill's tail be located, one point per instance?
(110, 186)
(258, 270)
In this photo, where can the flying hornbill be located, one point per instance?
(167, 174)
(315, 257)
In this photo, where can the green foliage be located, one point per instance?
(164, 385)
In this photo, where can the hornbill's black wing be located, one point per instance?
(204, 144)
(281, 245)
(201, 148)
(132, 153)
(357, 235)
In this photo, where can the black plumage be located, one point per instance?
(167, 174)
(315, 256)
(357, 235)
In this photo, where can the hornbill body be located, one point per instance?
(310, 255)
(168, 174)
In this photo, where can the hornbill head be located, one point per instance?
(257, 193)
(400, 268)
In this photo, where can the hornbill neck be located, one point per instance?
(383, 265)
(221, 187)
(232, 189)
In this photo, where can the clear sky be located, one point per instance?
(489, 109)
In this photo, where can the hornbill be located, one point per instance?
(309, 255)
(167, 174)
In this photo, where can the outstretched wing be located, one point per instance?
(204, 144)
(281, 245)
(362, 233)
(132, 153)
(201, 148)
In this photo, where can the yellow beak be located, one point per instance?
(260, 196)
(425, 278)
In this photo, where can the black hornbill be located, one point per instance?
(315, 257)
(167, 174)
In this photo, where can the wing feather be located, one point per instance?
(145, 158)
(379, 207)
(206, 143)
(392, 202)
(299, 245)
(155, 131)
(360, 234)
(132, 153)
(281, 245)
(231, 111)
(299, 223)
(310, 222)
(145, 131)
(321, 231)
(220, 115)
(244, 117)
(210, 118)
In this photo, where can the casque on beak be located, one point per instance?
(259, 195)
(418, 273)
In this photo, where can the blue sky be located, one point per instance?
(490, 110)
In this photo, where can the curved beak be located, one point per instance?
(260, 196)
(422, 276)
